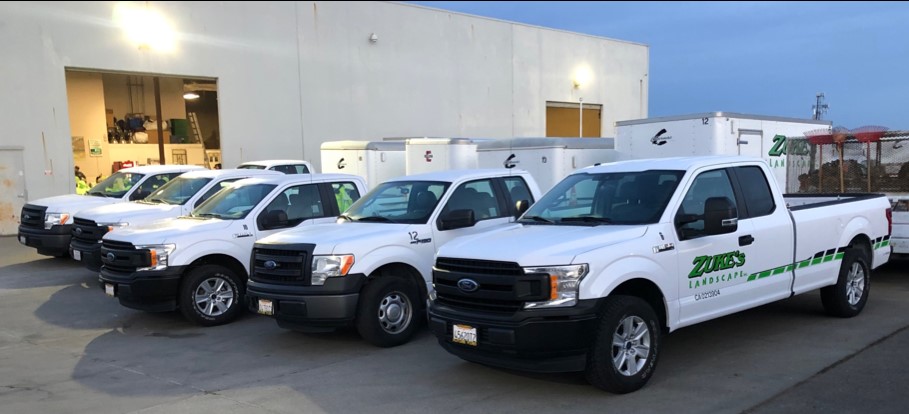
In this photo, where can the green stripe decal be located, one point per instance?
(816, 261)
(778, 270)
(789, 268)
(839, 256)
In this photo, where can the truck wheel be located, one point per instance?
(626, 346)
(386, 315)
(210, 295)
(848, 296)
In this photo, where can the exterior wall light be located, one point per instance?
(146, 28)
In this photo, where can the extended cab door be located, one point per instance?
(304, 204)
(724, 266)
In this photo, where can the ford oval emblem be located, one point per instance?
(111, 257)
(78, 230)
(27, 217)
(271, 265)
(468, 285)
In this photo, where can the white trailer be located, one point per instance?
(425, 155)
(549, 160)
(713, 133)
(376, 161)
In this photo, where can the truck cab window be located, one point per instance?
(152, 184)
(477, 196)
(690, 217)
(756, 191)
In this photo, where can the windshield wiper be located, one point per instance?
(376, 219)
(345, 217)
(156, 200)
(207, 215)
(537, 219)
(587, 219)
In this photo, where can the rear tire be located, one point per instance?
(626, 346)
(848, 296)
(388, 312)
(210, 295)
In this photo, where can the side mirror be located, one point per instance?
(275, 219)
(457, 219)
(720, 216)
(521, 206)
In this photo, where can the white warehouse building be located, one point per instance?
(101, 85)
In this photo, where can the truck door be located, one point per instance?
(480, 196)
(714, 267)
(300, 205)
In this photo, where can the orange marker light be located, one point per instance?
(553, 287)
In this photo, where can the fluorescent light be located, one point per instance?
(190, 95)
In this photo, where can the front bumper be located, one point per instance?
(540, 340)
(89, 254)
(49, 242)
(153, 291)
(306, 307)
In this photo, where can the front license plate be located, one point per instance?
(77, 255)
(464, 334)
(22, 240)
(109, 289)
(266, 307)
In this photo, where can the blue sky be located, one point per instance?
(768, 58)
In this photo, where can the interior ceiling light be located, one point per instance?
(190, 95)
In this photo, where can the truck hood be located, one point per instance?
(133, 213)
(72, 203)
(330, 237)
(539, 245)
(168, 231)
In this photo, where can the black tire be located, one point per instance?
(601, 370)
(223, 288)
(389, 311)
(848, 296)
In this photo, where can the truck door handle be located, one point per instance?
(746, 240)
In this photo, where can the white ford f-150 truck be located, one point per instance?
(199, 263)
(47, 223)
(593, 274)
(176, 198)
(373, 267)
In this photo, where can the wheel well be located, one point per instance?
(863, 242)
(649, 292)
(222, 260)
(401, 269)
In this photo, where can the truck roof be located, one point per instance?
(228, 173)
(364, 145)
(455, 175)
(269, 163)
(720, 114)
(281, 179)
(676, 163)
(154, 169)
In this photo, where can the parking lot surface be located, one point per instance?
(65, 347)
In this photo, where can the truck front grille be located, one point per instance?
(500, 286)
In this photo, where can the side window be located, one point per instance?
(756, 191)
(299, 203)
(477, 196)
(151, 184)
(518, 190)
(286, 169)
(706, 185)
(345, 194)
(301, 169)
(214, 189)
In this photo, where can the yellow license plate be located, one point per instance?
(266, 307)
(464, 334)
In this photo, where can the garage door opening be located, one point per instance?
(114, 121)
(565, 119)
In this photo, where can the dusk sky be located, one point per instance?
(764, 58)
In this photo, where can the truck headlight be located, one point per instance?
(324, 267)
(55, 219)
(564, 282)
(157, 255)
(112, 226)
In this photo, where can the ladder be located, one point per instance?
(194, 127)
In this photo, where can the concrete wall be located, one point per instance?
(292, 75)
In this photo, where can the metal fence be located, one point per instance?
(880, 167)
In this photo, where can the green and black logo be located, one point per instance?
(723, 261)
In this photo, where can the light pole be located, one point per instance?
(580, 117)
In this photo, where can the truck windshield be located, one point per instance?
(233, 203)
(116, 186)
(410, 202)
(623, 198)
(177, 191)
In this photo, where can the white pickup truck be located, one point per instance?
(176, 198)
(199, 263)
(614, 255)
(282, 166)
(372, 268)
(47, 223)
